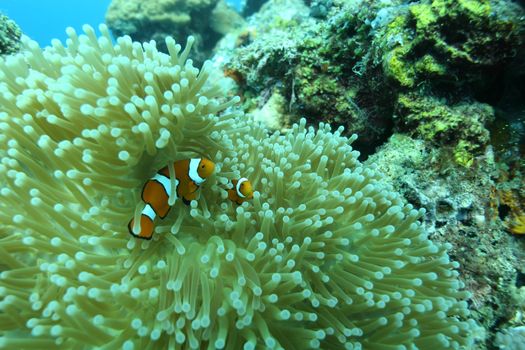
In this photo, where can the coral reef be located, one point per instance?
(432, 41)
(460, 126)
(326, 255)
(273, 113)
(206, 20)
(249, 7)
(352, 65)
(517, 225)
(508, 138)
(9, 36)
(510, 197)
(319, 8)
(260, 64)
(436, 88)
(461, 211)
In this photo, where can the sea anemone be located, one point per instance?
(325, 255)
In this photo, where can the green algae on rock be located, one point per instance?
(350, 68)
(9, 36)
(460, 126)
(435, 42)
(326, 255)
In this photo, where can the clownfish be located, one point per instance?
(241, 191)
(188, 175)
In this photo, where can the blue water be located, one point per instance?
(44, 20)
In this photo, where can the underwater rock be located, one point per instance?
(206, 20)
(319, 8)
(273, 113)
(454, 42)
(461, 210)
(258, 62)
(249, 7)
(350, 67)
(462, 126)
(9, 36)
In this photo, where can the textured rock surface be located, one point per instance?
(462, 209)
(460, 127)
(9, 36)
(206, 20)
(351, 65)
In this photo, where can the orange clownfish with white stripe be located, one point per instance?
(182, 180)
(241, 191)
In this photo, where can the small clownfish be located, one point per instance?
(189, 174)
(241, 191)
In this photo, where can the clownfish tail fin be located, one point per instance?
(131, 232)
(146, 228)
(141, 225)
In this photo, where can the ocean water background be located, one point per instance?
(44, 20)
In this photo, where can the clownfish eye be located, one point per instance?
(202, 166)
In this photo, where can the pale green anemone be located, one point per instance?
(326, 255)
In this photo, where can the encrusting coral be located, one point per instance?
(325, 255)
